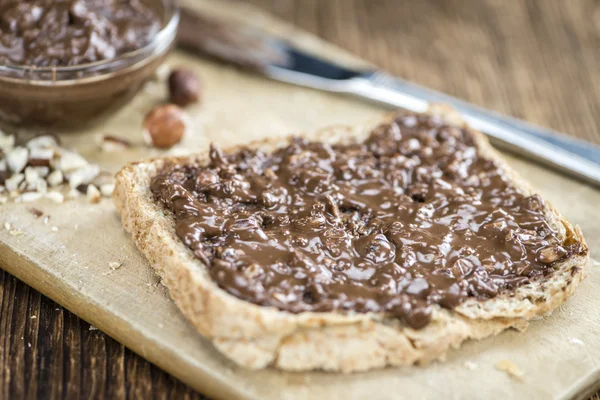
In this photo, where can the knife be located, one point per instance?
(278, 59)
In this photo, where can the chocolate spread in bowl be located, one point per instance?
(45, 33)
(411, 217)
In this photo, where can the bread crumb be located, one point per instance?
(114, 265)
(54, 229)
(470, 365)
(511, 369)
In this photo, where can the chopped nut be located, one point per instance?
(70, 161)
(29, 197)
(36, 212)
(7, 142)
(511, 369)
(40, 157)
(43, 142)
(42, 171)
(83, 175)
(164, 126)
(114, 265)
(46, 219)
(15, 232)
(109, 143)
(73, 194)
(56, 197)
(54, 229)
(7, 226)
(93, 194)
(550, 254)
(55, 178)
(17, 159)
(184, 87)
(107, 189)
(41, 186)
(253, 270)
(13, 182)
(31, 175)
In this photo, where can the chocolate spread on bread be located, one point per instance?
(46, 33)
(411, 217)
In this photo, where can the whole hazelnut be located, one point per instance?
(184, 87)
(164, 126)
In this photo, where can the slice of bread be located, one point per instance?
(256, 337)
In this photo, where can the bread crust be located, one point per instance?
(256, 337)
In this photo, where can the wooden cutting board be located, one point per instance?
(560, 355)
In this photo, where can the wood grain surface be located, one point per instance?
(536, 60)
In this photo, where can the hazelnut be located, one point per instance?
(549, 254)
(164, 126)
(184, 87)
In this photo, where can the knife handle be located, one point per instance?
(570, 155)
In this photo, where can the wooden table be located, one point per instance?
(537, 60)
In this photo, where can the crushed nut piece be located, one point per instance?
(43, 142)
(7, 226)
(73, 194)
(55, 178)
(7, 142)
(36, 212)
(511, 369)
(56, 197)
(114, 265)
(29, 197)
(14, 181)
(110, 143)
(15, 232)
(107, 189)
(40, 157)
(70, 161)
(83, 175)
(17, 159)
(93, 194)
(54, 229)
(46, 219)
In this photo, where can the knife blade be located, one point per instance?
(280, 60)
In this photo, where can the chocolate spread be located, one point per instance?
(413, 216)
(46, 33)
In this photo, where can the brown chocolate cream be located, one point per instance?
(47, 33)
(412, 217)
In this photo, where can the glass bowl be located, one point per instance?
(68, 98)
